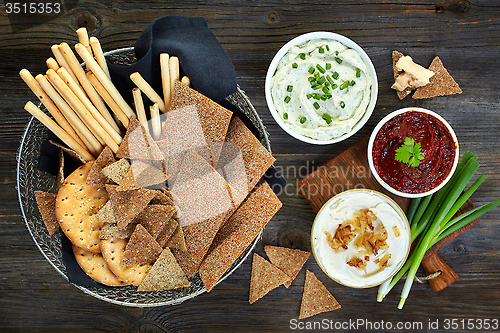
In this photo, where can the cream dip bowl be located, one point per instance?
(334, 262)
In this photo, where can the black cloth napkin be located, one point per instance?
(211, 73)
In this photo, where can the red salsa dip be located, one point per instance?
(437, 145)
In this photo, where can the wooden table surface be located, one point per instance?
(465, 35)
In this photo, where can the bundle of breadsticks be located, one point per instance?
(80, 101)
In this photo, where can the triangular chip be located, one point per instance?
(165, 274)
(141, 249)
(316, 298)
(265, 277)
(47, 206)
(238, 233)
(73, 154)
(177, 240)
(148, 173)
(117, 171)
(106, 214)
(441, 83)
(290, 261)
(161, 198)
(96, 177)
(111, 230)
(214, 119)
(395, 57)
(138, 144)
(128, 204)
(167, 232)
(155, 218)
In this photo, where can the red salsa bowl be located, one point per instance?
(402, 135)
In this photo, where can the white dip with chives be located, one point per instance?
(335, 262)
(321, 89)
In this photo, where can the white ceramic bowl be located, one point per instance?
(334, 274)
(370, 151)
(301, 40)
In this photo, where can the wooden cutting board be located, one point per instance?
(350, 170)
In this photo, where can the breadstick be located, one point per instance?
(94, 120)
(61, 60)
(83, 38)
(49, 105)
(114, 131)
(102, 77)
(52, 63)
(80, 128)
(155, 121)
(57, 130)
(185, 80)
(148, 90)
(165, 79)
(108, 99)
(139, 108)
(99, 56)
(174, 73)
(82, 78)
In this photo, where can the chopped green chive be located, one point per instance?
(327, 47)
(316, 105)
(302, 120)
(345, 84)
(353, 82)
(316, 86)
(328, 66)
(358, 72)
(323, 97)
(336, 52)
(311, 70)
(321, 80)
(285, 116)
(328, 95)
(320, 69)
(342, 104)
(295, 65)
(289, 88)
(287, 99)
(325, 89)
(327, 118)
(302, 56)
(329, 78)
(321, 50)
(337, 59)
(335, 75)
(309, 96)
(334, 86)
(317, 96)
(311, 78)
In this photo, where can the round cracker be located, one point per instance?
(76, 206)
(94, 265)
(112, 251)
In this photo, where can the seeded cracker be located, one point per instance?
(395, 57)
(138, 144)
(141, 249)
(76, 206)
(96, 177)
(47, 206)
(117, 170)
(441, 83)
(94, 265)
(238, 232)
(316, 298)
(165, 274)
(128, 204)
(155, 218)
(265, 277)
(290, 261)
(112, 251)
(214, 119)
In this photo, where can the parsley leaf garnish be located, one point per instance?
(410, 153)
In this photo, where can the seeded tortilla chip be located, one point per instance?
(265, 277)
(117, 170)
(148, 173)
(111, 230)
(155, 218)
(214, 119)
(128, 204)
(316, 298)
(141, 249)
(96, 177)
(138, 144)
(106, 214)
(395, 57)
(177, 240)
(165, 274)
(290, 261)
(167, 232)
(161, 198)
(47, 206)
(238, 232)
(441, 83)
